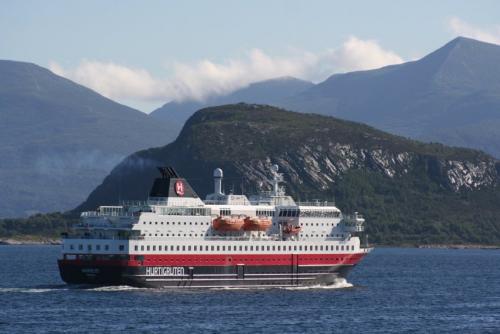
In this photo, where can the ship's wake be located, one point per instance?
(116, 288)
(340, 283)
(33, 289)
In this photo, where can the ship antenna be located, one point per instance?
(277, 178)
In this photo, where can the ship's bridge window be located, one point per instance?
(289, 213)
(266, 213)
(225, 212)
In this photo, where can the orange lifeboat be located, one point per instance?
(227, 223)
(257, 224)
(291, 229)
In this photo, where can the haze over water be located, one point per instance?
(393, 291)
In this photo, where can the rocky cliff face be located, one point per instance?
(320, 167)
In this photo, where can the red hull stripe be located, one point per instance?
(229, 260)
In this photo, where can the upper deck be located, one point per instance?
(174, 210)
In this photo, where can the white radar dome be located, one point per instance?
(218, 172)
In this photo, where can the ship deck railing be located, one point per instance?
(142, 203)
(316, 203)
(86, 214)
(98, 237)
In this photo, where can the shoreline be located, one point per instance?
(459, 246)
(29, 241)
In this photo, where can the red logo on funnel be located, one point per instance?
(179, 188)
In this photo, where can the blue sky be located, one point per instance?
(145, 53)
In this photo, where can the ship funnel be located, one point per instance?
(218, 181)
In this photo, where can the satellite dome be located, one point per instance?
(218, 172)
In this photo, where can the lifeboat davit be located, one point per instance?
(257, 224)
(291, 229)
(228, 223)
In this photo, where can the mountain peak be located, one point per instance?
(464, 46)
(462, 40)
(465, 63)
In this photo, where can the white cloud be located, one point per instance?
(356, 54)
(206, 78)
(114, 81)
(462, 28)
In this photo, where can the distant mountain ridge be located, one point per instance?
(451, 96)
(273, 92)
(58, 139)
(410, 192)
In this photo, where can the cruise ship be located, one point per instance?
(175, 239)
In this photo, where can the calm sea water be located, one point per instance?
(391, 291)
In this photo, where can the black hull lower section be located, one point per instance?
(202, 276)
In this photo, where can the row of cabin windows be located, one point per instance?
(308, 213)
(317, 224)
(242, 248)
(178, 234)
(173, 211)
(177, 223)
(208, 223)
(322, 235)
(97, 247)
(201, 235)
(312, 224)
